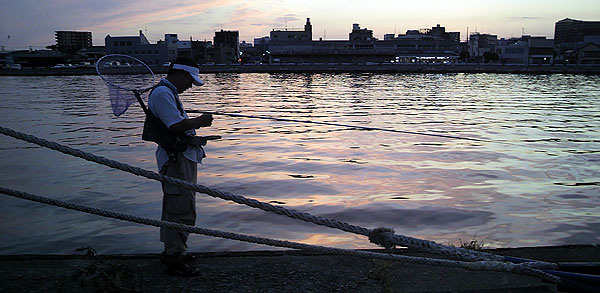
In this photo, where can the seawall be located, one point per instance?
(340, 68)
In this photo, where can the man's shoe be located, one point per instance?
(174, 266)
(188, 257)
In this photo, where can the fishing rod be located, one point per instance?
(348, 126)
(124, 91)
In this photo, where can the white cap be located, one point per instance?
(193, 71)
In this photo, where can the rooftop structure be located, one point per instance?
(293, 35)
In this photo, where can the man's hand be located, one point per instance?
(185, 124)
(204, 120)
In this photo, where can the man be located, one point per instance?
(177, 155)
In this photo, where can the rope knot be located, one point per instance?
(383, 237)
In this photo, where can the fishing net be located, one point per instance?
(124, 75)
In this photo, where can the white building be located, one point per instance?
(526, 50)
(479, 44)
(513, 51)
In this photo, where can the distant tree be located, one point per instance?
(490, 56)
(464, 55)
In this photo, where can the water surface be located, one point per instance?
(543, 188)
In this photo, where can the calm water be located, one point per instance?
(543, 190)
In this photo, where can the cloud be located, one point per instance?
(286, 18)
(34, 22)
(526, 18)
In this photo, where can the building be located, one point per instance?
(227, 47)
(440, 32)
(586, 53)
(140, 48)
(541, 50)
(388, 37)
(526, 50)
(262, 43)
(199, 51)
(6, 59)
(435, 45)
(38, 58)
(72, 41)
(171, 43)
(359, 35)
(92, 54)
(480, 44)
(293, 35)
(513, 51)
(571, 34)
(574, 31)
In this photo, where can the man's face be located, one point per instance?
(186, 82)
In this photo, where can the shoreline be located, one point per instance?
(338, 68)
(275, 271)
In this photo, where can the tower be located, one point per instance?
(308, 29)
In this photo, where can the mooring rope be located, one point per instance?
(478, 265)
(393, 239)
(389, 238)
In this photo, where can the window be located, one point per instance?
(591, 54)
(515, 50)
(122, 43)
(128, 43)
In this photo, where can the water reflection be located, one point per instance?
(541, 190)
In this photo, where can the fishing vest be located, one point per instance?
(156, 131)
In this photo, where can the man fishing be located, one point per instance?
(178, 153)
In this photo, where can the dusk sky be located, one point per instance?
(25, 23)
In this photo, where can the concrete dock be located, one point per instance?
(272, 271)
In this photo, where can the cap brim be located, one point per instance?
(193, 71)
(197, 81)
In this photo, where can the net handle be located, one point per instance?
(120, 87)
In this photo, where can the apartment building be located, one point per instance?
(71, 41)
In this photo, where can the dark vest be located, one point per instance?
(156, 131)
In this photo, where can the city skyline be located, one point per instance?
(31, 23)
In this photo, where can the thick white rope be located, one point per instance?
(389, 237)
(479, 265)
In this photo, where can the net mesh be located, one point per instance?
(122, 75)
(120, 100)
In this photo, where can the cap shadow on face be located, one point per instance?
(184, 81)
